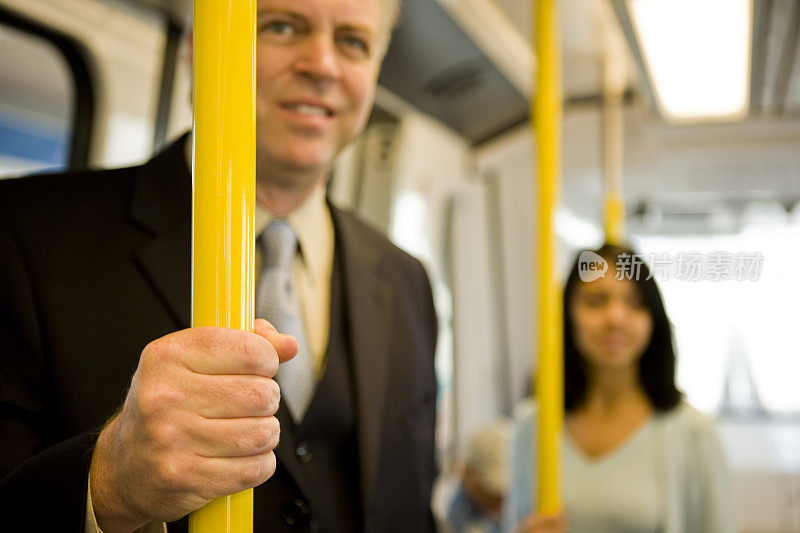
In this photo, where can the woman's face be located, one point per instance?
(611, 324)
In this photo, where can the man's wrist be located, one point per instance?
(91, 521)
(111, 513)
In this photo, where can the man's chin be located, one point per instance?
(293, 171)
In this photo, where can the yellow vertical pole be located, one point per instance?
(615, 80)
(223, 203)
(547, 109)
(612, 158)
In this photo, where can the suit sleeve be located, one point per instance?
(22, 366)
(431, 319)
(430, 332)
(44, 490)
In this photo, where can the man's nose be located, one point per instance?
(318, 60)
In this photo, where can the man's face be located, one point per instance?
(316, 69)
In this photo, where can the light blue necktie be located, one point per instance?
(277, 301)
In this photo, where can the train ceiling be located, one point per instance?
(444, 59)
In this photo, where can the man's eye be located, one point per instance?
(278, 27)
(355, 43)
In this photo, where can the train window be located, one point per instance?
(36, 104)
(731, 298)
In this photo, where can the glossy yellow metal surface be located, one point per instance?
(547, 111)
(613, 146)
(223, 203)
(614, 218)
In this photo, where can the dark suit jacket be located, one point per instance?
(94, 265)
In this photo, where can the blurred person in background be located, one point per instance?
(477, 505)
(635, 457)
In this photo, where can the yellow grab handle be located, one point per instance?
(223, 202)
(613, 150)
(547, 108)
(614, 218)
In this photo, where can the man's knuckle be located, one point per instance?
(251, 473)
(146, 402)
(276, 432)
(271, 432)
(271, 362)
(274, 393)
(164, 435)
(209, 491)
(148, 352)
(260, 436)
(169, 473)
(257, 395)
(155, 399)
(269, 464)
(250, 353)
(163, 349)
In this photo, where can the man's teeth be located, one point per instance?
(307, 109)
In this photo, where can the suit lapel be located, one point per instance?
(369, 297)
(161, 204)
(166, 263)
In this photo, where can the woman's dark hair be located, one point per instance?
(657, 364)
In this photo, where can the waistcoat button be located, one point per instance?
(303, 452)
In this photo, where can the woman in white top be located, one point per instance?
(635, 457)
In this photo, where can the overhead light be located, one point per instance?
(697, 53)
(576, 231)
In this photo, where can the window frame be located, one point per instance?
(78, 61)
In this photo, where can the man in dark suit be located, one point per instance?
(94, 287)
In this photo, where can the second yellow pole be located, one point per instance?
(547, 110)
(223, 201)
(613, 138)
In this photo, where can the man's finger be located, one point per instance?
(261, 323)
(232, 396)
(217, 350)
(228, 475)
(236, 437)
(285, 345)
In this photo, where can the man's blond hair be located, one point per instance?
(390, 12)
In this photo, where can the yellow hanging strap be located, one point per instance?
(547, 108)
(223, 203)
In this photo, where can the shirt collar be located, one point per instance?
(312, 224)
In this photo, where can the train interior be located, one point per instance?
(446, 168)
